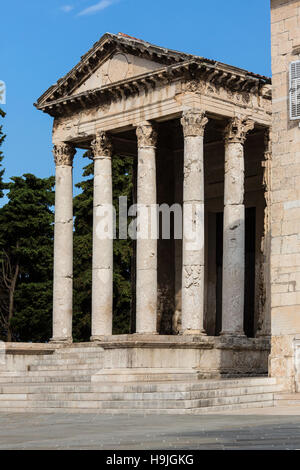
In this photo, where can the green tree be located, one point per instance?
(122, 170)
(26, 250)
(83, 211)
(2, 138)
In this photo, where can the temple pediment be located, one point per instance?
(112, 59)
(120, 66)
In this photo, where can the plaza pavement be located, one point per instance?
(253, 429)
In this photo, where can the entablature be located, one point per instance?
(195, 76)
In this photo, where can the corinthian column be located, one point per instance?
(193, 122)
(234, 227)
(102, 283)
(63, 244)
(146, 268)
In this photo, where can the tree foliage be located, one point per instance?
(26, 255)
(26, 251)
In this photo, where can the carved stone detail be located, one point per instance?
(220, 90)
(237, 129)
(146, 135)
(193, 122)
(101, 146)
(195, 86)
(192, 276)
(63, 154)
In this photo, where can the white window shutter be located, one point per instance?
(295, 90)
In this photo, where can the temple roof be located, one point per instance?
(165, 60)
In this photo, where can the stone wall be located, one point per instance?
(285, 211)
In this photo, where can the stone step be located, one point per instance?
(39, 379)
(72, 390)
(96, 396)
(287, 399)
(129, 412)
(78, 350)
(91, 390)
(25, 377)
(67, 367)
(13, 396)
(240, 406)
(46, 387)
(144, 405)
(287, 396)
(119, 384)
(145, 375)
(50, 373)
(183, 386)
(57, 361)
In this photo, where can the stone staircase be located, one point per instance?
(73, 380)
(287, 399)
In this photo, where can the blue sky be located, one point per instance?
(41, 40)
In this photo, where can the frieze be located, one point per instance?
(218, 90)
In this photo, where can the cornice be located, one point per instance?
(193, 73)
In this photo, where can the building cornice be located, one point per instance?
(192, 72)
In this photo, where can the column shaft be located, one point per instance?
(234, 228)
(193, 122)
(146, 268)
(102, 280)
(63, 245)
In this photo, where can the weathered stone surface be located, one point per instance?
(193, 122)
(146, 267)
(234, 227)
(102, 278)
(285, 209)
(63, 244)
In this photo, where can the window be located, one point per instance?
(295, 90)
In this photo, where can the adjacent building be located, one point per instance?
(285, 192)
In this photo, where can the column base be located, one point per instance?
(61, 340)
(193, 333)
(99, 338)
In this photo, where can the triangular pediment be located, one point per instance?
(109, 69)
(112, 59)
(120, 66)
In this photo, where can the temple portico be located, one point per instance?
(193, 269)
(196, 130)
(207, 155)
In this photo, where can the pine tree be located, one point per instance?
(26, 252)
(83, 212)
(122, 170)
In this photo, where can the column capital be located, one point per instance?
(146, 135)
(101, 146)
(63, 154)
(237, 129)
(193, 122)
